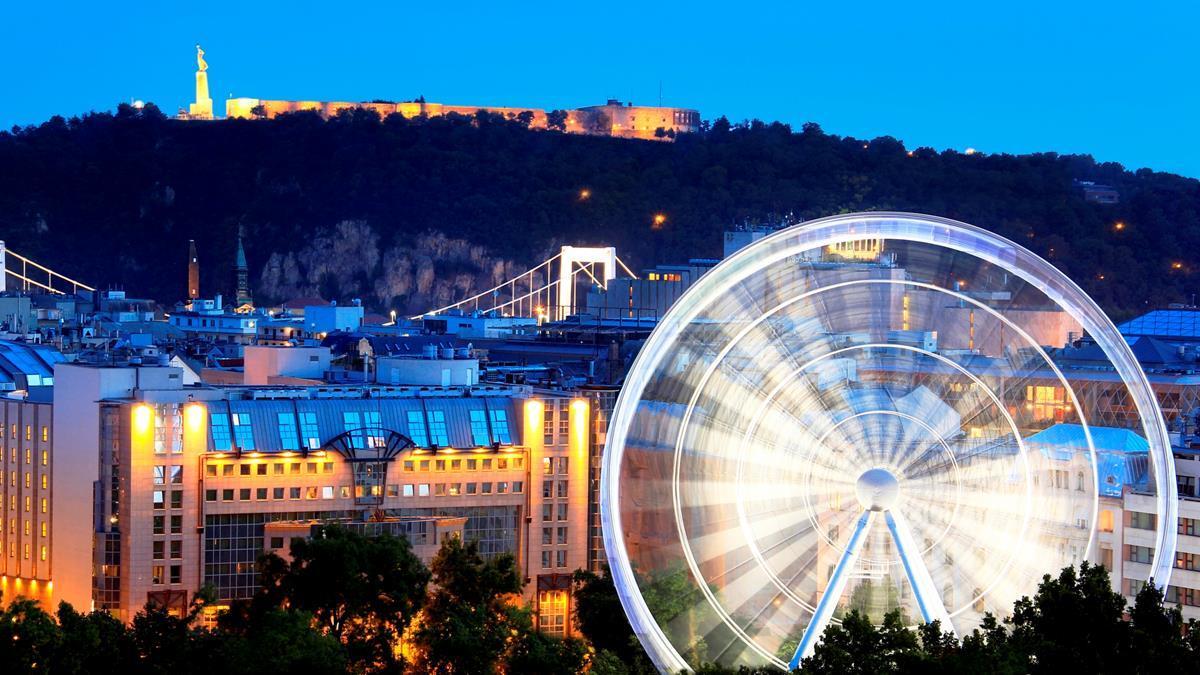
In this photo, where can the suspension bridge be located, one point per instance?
(548, 290)
(30, 276)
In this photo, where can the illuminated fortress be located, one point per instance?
(611, 119)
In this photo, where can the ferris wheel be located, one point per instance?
(866, 412)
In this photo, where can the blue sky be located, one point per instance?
(1120, 81)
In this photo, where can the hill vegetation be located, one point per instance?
(407, 213)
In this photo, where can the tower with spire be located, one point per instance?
(193, 272)
(243, 275)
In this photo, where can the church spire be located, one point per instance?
(243, 275)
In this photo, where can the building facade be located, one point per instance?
(191, 484)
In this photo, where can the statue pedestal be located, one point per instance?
(203, 107)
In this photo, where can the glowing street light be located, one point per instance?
(659, 219)
(1177, 265)
(1118, 226)
(585, 194)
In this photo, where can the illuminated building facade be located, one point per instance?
(194, 482)
(611, 119)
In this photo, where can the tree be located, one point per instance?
(29, 638)
(259, 112)
(556, 120)
(468, 623)
(596, 603)
(363, 591)
(525, 118)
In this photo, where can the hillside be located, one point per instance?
(409, 213)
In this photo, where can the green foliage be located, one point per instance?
(1075, 623)
(471, 622)
(101, 197)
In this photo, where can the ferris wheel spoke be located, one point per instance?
(833, 591)
(929, 600)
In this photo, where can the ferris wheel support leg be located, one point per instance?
(833, 592)
(929, 601)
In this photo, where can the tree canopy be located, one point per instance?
(103, 196)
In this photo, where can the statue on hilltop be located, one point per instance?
(201, 64)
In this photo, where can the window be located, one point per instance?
(562, 535)
(547, 489)
(500, 426)
(547, 535)
(502, 487)
(160, 524)
(244, 494)
(294, 493)
(352, 424)
(227, 470)
(276, 542)
(439, 489)
(1186, 485)
(310, 492)
(547, 466)
(485, 488)
(560, 558)
(210, 495)
(156, 574)
(344, 491)
(1142, 521)
(260, 493)
(277, 493)
(45, 481)
(1189, 526)
(552, 609)
(160, 475)
(177, 523)
(479, 428)
(327, 492)
(372, 424)
(393, 490)
(437, 428)
(210, 470)
(244, 469)
(308, 430)
(439, 465)
(160, 497)
(176, 574)
(176, 549)
(288, 437)
(408, 490)
(562, 511)
(562, 465)
(454, 489)
(176, 475)
(227, 495)
(472, 464)
(423, 490)
(219, 423)
(416, 428)
(518, 487)
(546, 559)
(562, 488)
(157, 551)
(1140, 554)
(470, 488)
(547, 512)
(242, 432)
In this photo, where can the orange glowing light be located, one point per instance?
(142, 418)
(659, 219)
(1118, 226)
(585, 194)
(193, 416)
(1176, 265)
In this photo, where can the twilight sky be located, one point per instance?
(1118, 80)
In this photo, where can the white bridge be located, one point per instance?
(34, 276)
(547, 291)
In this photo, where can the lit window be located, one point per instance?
(288, 438)
(160, 475)
(352, 424)
(176, 475)
(500, 426)
(416, 428)
(219, 422)
(308, 430)
(479, 428)
(437, 428)
(242, 431)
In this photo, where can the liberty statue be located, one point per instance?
(201, 64)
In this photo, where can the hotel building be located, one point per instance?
(163, 489)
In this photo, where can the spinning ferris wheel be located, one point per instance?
(863, 412)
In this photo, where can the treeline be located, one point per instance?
(113, 199)
(345, 603)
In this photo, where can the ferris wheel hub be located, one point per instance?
(877, 489)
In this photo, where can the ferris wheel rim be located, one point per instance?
(926, 229)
